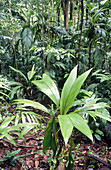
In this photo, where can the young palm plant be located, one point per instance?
(59, 129)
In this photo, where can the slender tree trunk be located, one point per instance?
(71, 9)
(64, 5)
(90, 45)
(81, 27)
(43, 38)
(66, 14)
(74, 20)
(16, 61)
(78, 18)
(86, 13)
(58, 12)
(91, 37)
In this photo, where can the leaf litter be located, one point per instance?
(87, 155)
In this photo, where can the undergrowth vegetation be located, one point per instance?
(55, 76)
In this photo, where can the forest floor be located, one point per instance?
(87, 155)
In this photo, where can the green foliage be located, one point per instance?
(23, 25)
(27, 37)
(71, 89)
(50, 140)
(67, 119)
(25, 88)
(11, 124)
(32, 103)
(32, 37)
(7, 128)
(103, 76)
(103, 87)
(49, 88)
(70, 121)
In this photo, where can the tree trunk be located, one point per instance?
(58, 12)
(90, 45)
(90, 36)
(78, 17)
(86, 13)
(64, 5)
(43, 38)
(71, 9)
(81, 26)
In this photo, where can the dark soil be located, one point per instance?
(88, 156)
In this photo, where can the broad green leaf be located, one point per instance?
(71, 89)
(47, 86)
(66, 89)
(18, 71)
(68, 122)
(80, 124)
(66, 126)
(36, 105)
(48, 135)
(53, 145)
